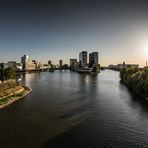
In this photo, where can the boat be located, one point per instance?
(84, 70)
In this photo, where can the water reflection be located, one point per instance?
(27, 79)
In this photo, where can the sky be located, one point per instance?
(60, 29)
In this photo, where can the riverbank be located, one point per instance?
(11, 91)
(136, 79)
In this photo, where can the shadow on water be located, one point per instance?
(64, 140)
(83, 100)
(80, 99)
(140, 101)
(68, 138)
(78, 110)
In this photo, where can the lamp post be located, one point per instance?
(146, 52)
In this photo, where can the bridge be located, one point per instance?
(32, 70)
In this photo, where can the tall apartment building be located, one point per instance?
(61, 63)
(24, 59)
(49, 62)
(93, 59)
(73, 62)
(83, 58)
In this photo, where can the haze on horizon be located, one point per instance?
(60, 29)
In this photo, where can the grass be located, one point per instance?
(5, 100)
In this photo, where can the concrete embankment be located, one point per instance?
(10, 92)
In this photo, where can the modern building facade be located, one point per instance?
(73, 62)
(83, 59)
(93, 59)
(28, 64)
(121, 66)
(24, 59)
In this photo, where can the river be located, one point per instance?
(71, 110)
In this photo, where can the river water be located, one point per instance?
(71, 110)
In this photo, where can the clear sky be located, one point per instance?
(60, 29)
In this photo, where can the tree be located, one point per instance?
(95, 69)
(9, 73)
(0, 75)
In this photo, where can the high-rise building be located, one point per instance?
(49, 62)
(61, 63)
(93, 59)
(83, 58)
(73, 62)
(24, 59)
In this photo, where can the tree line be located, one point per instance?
(136, 79)
(6, 74)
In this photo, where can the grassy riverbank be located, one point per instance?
(10, 91)
(136, 79)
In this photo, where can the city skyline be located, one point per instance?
(53, 30)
